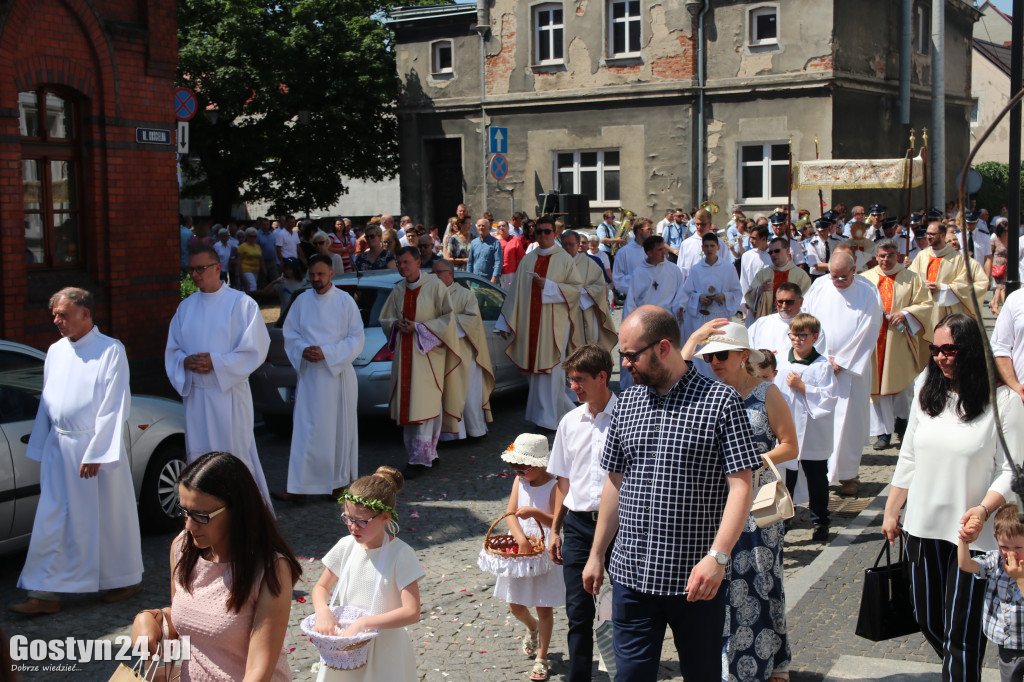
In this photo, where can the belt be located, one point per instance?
(585, 515)
(66, 432)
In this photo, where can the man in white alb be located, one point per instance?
(323, 334)
(86, 531)
(630, 256)
(217, 338)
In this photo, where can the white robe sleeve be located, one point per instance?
(906, 465)
(551, 292)
(586, 301)
(294, 342)
(689, 296)
(733, 293)
(174, 358)
(107, 442)
(819, 398)
(42, 425)
(1002, 335)
(946, 296)
(342, 352)
(235, 366)
(501, 324)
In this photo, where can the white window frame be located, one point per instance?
(600, 168)
(625, 21)
(975, 113)
(435, 58)
(922, 29)
(548, 33)
(752, 15)
(766, 163)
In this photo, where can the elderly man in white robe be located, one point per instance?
(850, 310)
(323, 334)
(771, 332)
(217, 338)
(85, 536)
(656, 282)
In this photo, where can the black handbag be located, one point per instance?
(886, 603)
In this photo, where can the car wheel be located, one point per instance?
(160, 487)
(278, 424)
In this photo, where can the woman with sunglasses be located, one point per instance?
(951, 468)
(231, 578)
(373, 570)
(376, 256)
(456, 245)
(323, 247)
(763, 609)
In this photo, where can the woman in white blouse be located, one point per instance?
(950, 462)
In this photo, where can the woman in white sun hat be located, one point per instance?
(757, 603)
(532, 501)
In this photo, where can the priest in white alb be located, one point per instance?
(85, 536)
(538, 314)
(593, 322)
(850, 311)
(418, 322)
(217, 338)
(468, 378)
(323, 334)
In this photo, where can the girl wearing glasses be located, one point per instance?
(373, 570)
(232, 576)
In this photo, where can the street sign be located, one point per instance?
(184, 104)
(499, 140)
(152, 136)
(499, 166)
(183, 137)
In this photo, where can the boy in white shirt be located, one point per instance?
(808, 384)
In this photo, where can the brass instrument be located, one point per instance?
(625, 219)
(711, 207)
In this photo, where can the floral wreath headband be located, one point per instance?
(375, 505)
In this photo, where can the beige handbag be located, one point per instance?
(772, 502)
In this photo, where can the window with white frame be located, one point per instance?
(763, 26)
(624, 28)
(441, 62)
(922, 29)
(548, 32)
(763, 172)
(594, 173)
(975, 111)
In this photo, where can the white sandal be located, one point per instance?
(530, 641)
(541, 670)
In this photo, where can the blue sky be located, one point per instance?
(1003, 5)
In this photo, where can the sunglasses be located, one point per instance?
(721, 356)
(358, 523)
(786, 301)
(202, 518)
(199, 269)
(773, 251)
(520, 470)
(387, 241)
(543, 231)
(632, 357)
(949, 350)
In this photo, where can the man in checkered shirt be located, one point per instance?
(680, 456)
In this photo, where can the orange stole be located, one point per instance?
(778, 278)
(409, 313)
(885, 290)
(536, 308)
(933, 268)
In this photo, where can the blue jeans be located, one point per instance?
(639, 622)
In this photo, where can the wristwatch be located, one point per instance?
(721, 557)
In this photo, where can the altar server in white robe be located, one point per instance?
(692, 251)
(216, 340)
(850, 311)
(323, 334)
(630, 256)
(655, 282)
(771, 332)
(85, 536)
(712, 289)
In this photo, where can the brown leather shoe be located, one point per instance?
(35, 607)
(122, 593)
(850, 487)
(287, 497)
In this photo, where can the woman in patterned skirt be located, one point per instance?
(755, 645)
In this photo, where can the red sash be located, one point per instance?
(536, 308)
(886, 286)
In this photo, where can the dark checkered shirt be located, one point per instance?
(674, 452)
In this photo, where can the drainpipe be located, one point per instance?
(695, 6)
(906, 47)
(482, 25)
(937, 135)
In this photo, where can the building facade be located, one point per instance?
(650, 105)
(82, 202)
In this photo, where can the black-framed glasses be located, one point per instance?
(949, 350)
(799, 336)
(632, 357)
(721, 356)
(544, 231)
(358, 523)
(202, 518)
(199, 269)
(774, 251)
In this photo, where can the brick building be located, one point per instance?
(650, 105)
(81, 203)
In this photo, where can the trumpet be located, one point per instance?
(711, 207)
(625, 218)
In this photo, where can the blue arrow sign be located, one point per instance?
(499, 140)
(499, 166)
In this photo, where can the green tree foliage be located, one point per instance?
(994, 192)
(254, 65)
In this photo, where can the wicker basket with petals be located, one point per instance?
(342, 653)
(502, 556)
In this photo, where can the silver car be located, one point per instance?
(155, 439)
(273, 384)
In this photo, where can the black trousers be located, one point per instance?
(577, 539)
(948, 604)
(816, 474)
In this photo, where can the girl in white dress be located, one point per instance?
(371, 555)
(532, 500)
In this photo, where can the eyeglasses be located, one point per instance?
(521, 470)
(199, 269)
(786, 301)
(844, 278)
(949, 350)
(799, 336)
(721, 356)
(543, 231)
(632, 357)
(578, 379)
(358, 523)
(202, 518)
(773, 251)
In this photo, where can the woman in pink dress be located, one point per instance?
(231, 578)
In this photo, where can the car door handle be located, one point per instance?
(24, 439)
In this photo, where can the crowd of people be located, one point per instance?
(768, 350)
